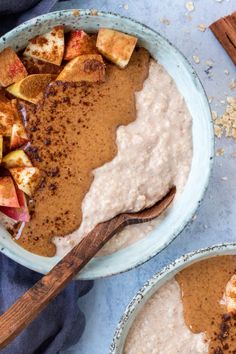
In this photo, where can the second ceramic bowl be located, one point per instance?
(155, 283)
(203, 140)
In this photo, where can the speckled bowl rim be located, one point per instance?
(103, 266)
(162, 276)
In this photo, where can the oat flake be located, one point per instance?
(226, 124)
(220, 152)
(190, 6)
(165, 21)
(201, 27)
(196, 59)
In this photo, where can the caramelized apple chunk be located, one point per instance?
(8, 196)
(116, 46)
(88, 67)
(16, 158)
(47, 47)
(18, 214)
(31, 88)
(26, 178)
(11, 68)
(79, 43)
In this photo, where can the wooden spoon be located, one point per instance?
(30, 304)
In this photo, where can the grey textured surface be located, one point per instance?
(215, 220)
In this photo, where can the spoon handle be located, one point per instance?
(32, 302)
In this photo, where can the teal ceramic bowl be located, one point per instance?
(155, 283)
(203, 139)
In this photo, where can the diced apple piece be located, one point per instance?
(18, 133)
(36, 66)
(47, 47)
(8, 196)
(31, 87)
(1, 147)
(116, 46)
(11, 67)
(26, 178)
(88, 67)
(18, 136)
(16, 158)
(18, 214)
(7, 118)
(79, 43)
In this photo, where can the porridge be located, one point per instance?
(198, 309)
(100, 128)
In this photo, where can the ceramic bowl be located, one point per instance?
(156, 282)
(203, 140)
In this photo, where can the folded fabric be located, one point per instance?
(61, 323)
(20, 11)
(57, 327)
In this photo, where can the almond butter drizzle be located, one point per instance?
(73, 131)
(203, 285)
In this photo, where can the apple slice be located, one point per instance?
(31, 87)
(11, 67)
(88, 67)
(18, 214)
(26, 178)
(47, 47)
(116, 46)
(18, 136)
(1, 147)
(79, 43)
(16, 158)
(7, 118)
(8, 196)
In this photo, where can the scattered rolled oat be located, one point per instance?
(214, 115)
(220, 152)
(232, 84)
(226, 124)
(165, 21)
(75, 12)
(226, 72)
(210, 99)
(126, 6)
(196, 59)
(209, 62)
(224, 178)
(190, 6)
(93, 12)
(201, 27)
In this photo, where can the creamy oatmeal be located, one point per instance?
(195, 312)
(91, 127)
(154, 153)
(160, 327)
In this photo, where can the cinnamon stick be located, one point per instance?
(225, 31)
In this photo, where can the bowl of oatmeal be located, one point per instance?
(188, 307)
(102, 131)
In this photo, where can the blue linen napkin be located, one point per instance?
(61, 323)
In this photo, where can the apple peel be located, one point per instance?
(18, 214)
(8, 195)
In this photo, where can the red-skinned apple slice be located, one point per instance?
(18, 214)
(11, 67)
(79, 43)
(26, 178)
(8, 196)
